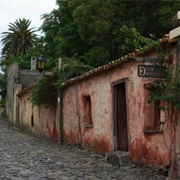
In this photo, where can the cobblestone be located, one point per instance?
(27, 157)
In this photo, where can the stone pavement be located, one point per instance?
(23, 156)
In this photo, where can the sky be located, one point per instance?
(10, 10)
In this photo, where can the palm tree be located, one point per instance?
(18, 39)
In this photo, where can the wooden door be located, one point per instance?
(120, 120)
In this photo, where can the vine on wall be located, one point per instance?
(167, 91)
(45, 93)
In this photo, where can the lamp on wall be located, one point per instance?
(41, 62)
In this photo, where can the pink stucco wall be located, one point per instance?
(49, 122)
(144, 148)
(97, 137)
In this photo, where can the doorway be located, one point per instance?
(120, 118)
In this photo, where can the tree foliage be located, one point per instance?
(45, 92)
(89, 33)
(167, 90)
(24, 61)
(96, 32)
(18, 39)
(71, 68)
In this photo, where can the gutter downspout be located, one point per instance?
(60, 103)
(79, 118)
(60, 106)
(178, 130)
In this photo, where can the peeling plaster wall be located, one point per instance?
(9, 107)
(144, 148)
(17, 89)
(74, 128)
(100, 136)
(178, 122)
(97, 137)
(49, 122)
(45, 121)
(17, 80)
(71, 116)
(26, 110)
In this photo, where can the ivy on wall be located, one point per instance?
(167, 91)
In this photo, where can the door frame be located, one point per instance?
(114, 111)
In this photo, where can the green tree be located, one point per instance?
(90, 33)
(103, 23)
(24, 61)
(18, 39)
(96, 32)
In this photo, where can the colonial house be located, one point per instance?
(19, 109)
(107, 109)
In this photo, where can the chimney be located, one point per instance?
(175, 33)
(33, 63)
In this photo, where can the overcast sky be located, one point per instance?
(10, 10)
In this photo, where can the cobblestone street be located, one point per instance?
(23, 156)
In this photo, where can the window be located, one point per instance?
(152, 113)
(87, 117)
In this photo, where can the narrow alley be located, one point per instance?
(23, 156)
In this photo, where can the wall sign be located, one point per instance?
(149, 71)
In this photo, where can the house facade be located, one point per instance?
(17, 80)
(106, 109)
(19, 109)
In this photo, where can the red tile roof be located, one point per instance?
(127, 58)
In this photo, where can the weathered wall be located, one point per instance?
(26, 112)
(17, 89)
(27, 77)
(74, 128)
(71, 116)
(17, 80)
(178, 134)
(9, 107)
(39, 120)
(49, 122)
(144, 147)
(147, 148)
